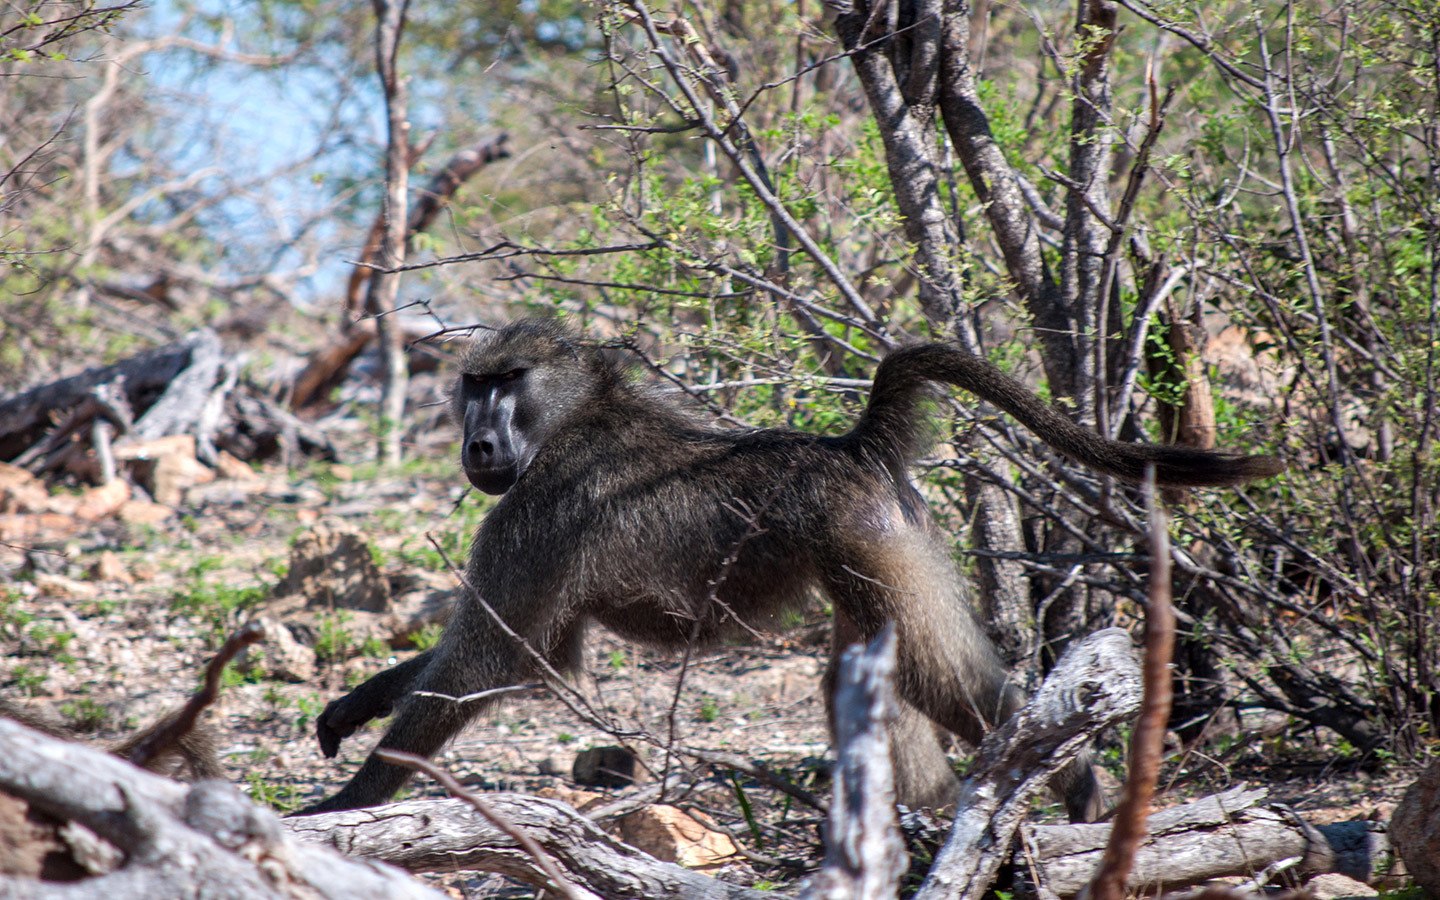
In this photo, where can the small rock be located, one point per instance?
(1415, 830)
(673, 835)
(581, 800)
(143, 512)
(101, 502)
(156, 448)
(333, 569)
(46, 562)
(605, 767)
(1335, 887)
(108, 567)
(37, 528)
(166, 467)
(21, 492)
(62, 588)
(228, 466)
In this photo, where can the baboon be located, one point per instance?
(619, 508)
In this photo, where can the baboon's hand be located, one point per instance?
(343, 717)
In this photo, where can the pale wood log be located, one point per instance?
(26, 417)
(179, 840)
(1232, 833)
(179, 407)
(864, 854)
(446, 835)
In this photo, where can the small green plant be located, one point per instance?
(309, 706)
(709, 710)
(28, 682)
(565, 737)
(13, 619)
(49, 639)
(742, 799)
(333, 641)
(215, 605)
(617, 660)
(104, 607)
(427, 637)
(282, 798)
(375, 646)
(84, 714)
(232, 676)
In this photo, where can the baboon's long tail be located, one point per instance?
(892, 422)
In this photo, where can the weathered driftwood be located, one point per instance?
(178, 409)
(25, 418)
(1094, 685)
(445, 835)
(864, 854)
(179, 840)
(1232, 833)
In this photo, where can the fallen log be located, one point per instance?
(201, 840)
(26, 417)
(446, 835)
(254, 427)
(1232, 833)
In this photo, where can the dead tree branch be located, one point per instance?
(328, 365)
(162, 739)
(1227, 834)
(558, 881)
(864, 855)
(1095, 684)
(444, 835)
(178, 840)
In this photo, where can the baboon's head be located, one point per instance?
(518, 385)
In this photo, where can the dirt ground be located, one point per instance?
(111, 624)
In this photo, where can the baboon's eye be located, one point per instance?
(512, 375)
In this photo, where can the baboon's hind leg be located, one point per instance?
(923, 776)
(947, 668)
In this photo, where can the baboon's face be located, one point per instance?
(518, 386)
(491, 407)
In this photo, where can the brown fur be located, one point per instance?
(193, 757)
(622, 510)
